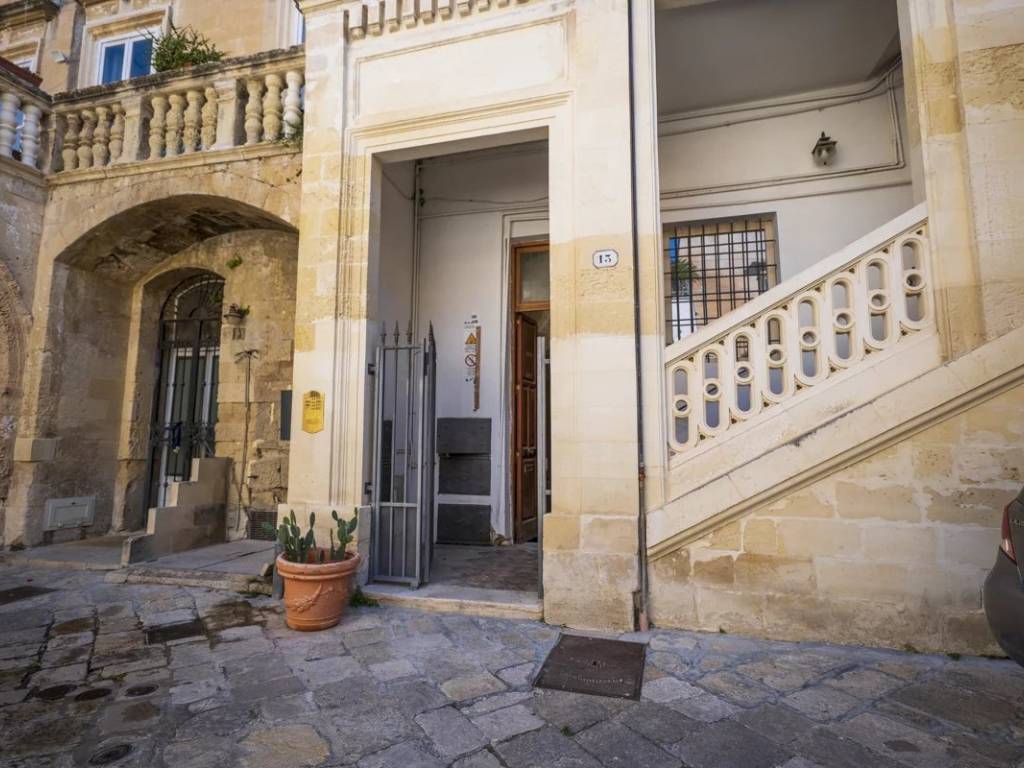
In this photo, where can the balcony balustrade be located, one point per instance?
(24, 111)
(239, 102)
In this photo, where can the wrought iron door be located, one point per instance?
(403, 460)
(185, 400)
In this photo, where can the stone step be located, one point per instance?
(228, 582)
(451, 598)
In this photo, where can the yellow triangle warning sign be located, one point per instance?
(471, 339)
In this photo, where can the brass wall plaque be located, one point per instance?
(313, 412)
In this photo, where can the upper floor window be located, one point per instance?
(123, 58)
(714, 267)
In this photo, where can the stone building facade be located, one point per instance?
(778, 389)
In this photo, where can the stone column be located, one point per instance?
(319, 320)
(590, 537)
(940, 110)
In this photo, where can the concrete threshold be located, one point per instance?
(453, 598)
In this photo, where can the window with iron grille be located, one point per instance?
(713, 267)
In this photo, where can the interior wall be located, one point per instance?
(755, 158)
(472, 205)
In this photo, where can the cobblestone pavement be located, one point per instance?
(393, 688)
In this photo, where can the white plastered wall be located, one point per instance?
(756, 158)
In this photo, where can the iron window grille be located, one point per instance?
(714, 267)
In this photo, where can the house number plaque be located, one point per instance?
(606, 259)
(312, 412)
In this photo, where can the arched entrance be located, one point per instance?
(185, 401)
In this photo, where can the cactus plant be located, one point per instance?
(296, 547)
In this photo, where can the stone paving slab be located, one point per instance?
(392, 687)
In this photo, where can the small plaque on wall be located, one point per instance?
(312, 412)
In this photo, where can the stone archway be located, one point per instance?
(13, 331)
(81, 387)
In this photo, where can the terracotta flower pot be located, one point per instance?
(315, 594)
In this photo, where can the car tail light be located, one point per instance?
(1007, 542)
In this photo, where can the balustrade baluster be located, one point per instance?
(157, 124)
(69, 153)
(10, 104)
(101, 137)
(293, 104)
(190, 136)
(175, 121)
(208, 134)
(272, 108)
(85, 138)
(116, 132)
(30, 132)
(253, 111)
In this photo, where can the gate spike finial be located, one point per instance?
(397, 333)
(408, 332)
(384, 333)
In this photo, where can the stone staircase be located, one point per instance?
(824, 369)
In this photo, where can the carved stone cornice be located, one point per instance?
(22, 12)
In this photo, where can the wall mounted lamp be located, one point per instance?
(824, 149)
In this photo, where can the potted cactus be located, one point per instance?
(317, 580)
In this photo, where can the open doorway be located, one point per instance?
(463, 250)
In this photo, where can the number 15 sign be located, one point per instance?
(606, 259)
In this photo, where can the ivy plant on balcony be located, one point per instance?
(181, 47)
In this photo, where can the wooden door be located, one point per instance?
(525, 473)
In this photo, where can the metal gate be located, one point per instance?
(185, 400)
(403, 460)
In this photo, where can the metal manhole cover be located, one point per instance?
(594, 665)
(111, 754)
(21, 593)
(170, 632)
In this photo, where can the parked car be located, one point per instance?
(1004, 587)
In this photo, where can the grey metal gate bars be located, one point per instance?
(403, 459)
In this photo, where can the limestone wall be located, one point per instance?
(22, 197)
(891, 551)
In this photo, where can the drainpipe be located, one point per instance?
(641, 597)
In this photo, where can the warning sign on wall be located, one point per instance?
(472, 357)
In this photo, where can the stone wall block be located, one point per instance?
(855, 502)
(760, 537)
(811, 538)
(766, 573)
(734, 612)
(717, 571)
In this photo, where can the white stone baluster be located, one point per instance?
(253, 112)
(444, 8)
(10, 104)
(157, 123)
(116, 132)
(175, 121)
(101, 137)
(69, 153)
(272, 108)
(208, 134)
(85, 138)
(30, 135)
(193, 113)
(293, 104)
